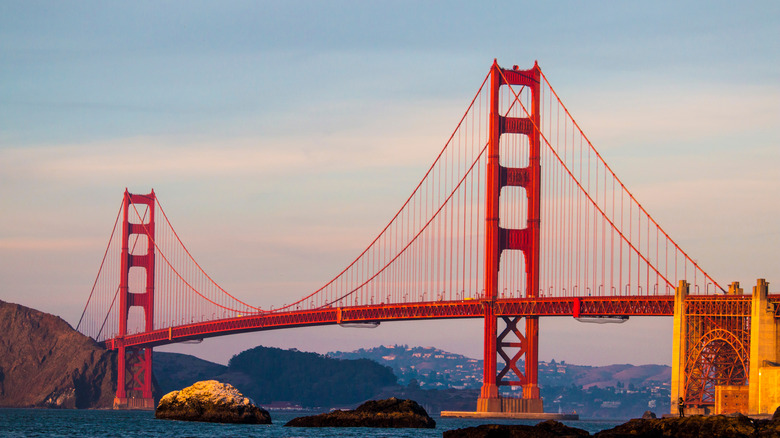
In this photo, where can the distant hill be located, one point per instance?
(272, 376)
(447, 381)
(309, 378)
(434, 368)
(612, 391)
(430, 367)
(44, 362)
(174, 371)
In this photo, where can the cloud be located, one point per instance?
(47, 244)
(333, 140)
(664, 114)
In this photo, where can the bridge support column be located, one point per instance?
(531, 387)
(763, 392)
(134, 365)
(679, 351)
(489, 400)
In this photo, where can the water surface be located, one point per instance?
(98, 423)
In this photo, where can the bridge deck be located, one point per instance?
(574, 307)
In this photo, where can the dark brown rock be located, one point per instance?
(44, 362)
(695, 426)
(649, 415)
(213, 402)
(545, 429)
(392, 412)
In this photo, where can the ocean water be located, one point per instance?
(94, 423)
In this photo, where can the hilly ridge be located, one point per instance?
(434, 368)
(44, 362)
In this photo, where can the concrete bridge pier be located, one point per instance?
(764, 380)
(679, 345)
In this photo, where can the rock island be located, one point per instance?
(211, 401)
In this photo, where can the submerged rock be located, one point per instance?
(210, 401)
(391, 412)
(545, 429)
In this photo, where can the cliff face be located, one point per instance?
(44, 362)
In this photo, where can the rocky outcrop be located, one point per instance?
(696, 426)
(213, 402)
(44, 362)
(392, 412)
(649, 415)
(546, 429)
(717, 426)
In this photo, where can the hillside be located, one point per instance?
(430, 367)
(272, 376)
(282, 378)
(174, 371)
(434, 368)
(44, 362)
(612, 391)
(309, 378)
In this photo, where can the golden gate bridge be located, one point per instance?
(518, 217)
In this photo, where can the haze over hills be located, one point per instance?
(434, 368)
(612, 391)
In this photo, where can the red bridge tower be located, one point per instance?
(498, 239)
(134, 375)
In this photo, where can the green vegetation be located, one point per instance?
(308, 378)
(174, 371)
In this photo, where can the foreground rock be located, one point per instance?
(695, 426)
(45, 363)
(213, 402)
(391, 412)
(546, 429)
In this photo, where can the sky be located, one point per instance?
(280, 137)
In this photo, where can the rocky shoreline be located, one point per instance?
(715, 426)
(695, 426)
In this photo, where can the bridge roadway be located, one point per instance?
(662, 305)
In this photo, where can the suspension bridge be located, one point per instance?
(519, 217)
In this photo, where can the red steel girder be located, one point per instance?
(590, 306)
